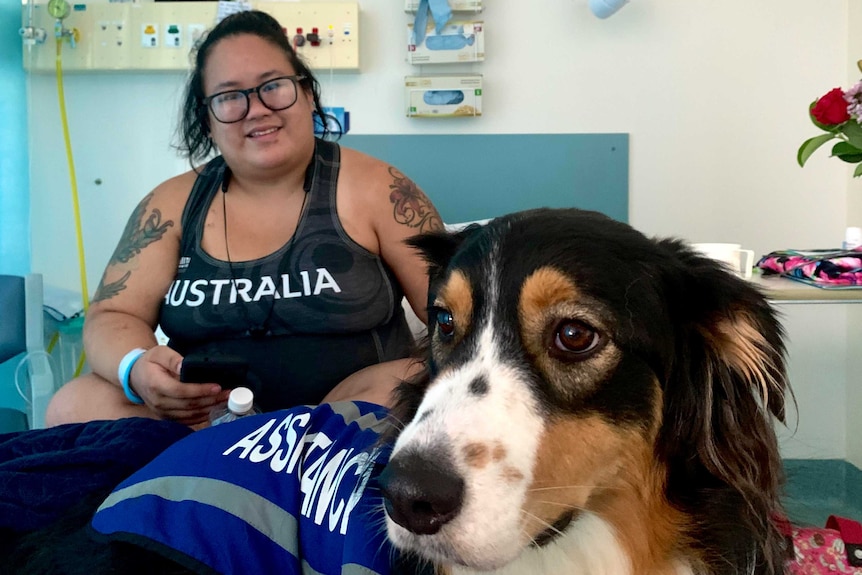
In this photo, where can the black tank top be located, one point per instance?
(306, 316)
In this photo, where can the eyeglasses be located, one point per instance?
(233, 105)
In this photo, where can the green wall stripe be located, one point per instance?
(478, 176)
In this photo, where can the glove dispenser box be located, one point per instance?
(441, 96)
(459, 41)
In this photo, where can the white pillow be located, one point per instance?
(461, 225)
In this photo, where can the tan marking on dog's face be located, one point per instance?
(544, 289)
(549, 299)
(576, 457)
(646, 525)
(511, 475)
(636, 499)
(476, 455)
(457, 296)
(590, 464)
(499, 451)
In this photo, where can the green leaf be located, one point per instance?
(853, 131)
(858, 171)
(810, 145)
(847, 152)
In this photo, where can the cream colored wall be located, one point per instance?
(854, 218)
(714, 95)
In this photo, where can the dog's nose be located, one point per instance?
(421, 494)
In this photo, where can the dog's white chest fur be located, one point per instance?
(589, 547)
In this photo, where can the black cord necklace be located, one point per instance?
(261, 329)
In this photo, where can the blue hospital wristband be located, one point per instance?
(125, 370)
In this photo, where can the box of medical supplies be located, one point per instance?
(444, 95)
(459, 41)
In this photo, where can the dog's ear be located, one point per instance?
(727, 379)
(438, 247)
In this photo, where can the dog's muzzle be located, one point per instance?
(421, 493)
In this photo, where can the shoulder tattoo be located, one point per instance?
(411, 207)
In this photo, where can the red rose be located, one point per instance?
(831, 109)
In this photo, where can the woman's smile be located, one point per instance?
(261, 133)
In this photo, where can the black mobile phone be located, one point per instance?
(225, 370)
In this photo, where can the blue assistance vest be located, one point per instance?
(288, 492)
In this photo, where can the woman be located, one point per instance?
(286, 250)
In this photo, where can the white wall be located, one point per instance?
(714, 95)
(854, 317)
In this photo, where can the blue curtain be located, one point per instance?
(14, 170)
(14, 165)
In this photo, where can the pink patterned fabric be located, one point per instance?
(821, 551)
(825, 267)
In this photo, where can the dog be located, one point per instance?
(596, 403)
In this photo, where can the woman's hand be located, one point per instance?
(155, 377)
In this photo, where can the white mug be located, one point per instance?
(739, 261)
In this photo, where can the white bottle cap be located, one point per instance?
(852, 238)
(241, 399)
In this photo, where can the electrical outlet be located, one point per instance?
(174, 36)
(149, 35)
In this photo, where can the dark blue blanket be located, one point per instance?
(45, 472)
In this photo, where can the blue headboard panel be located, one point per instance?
(477, 176)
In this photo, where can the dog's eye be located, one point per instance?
(575, 337)
(445, 322)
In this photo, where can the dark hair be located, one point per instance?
(193, 130)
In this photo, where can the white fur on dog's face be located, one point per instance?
(497, 440)
(495, 463)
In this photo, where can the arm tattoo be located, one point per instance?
(140, 232)
(410, 206)
(107, 291)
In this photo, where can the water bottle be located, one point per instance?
(239, 404)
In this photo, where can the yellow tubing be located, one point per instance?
(74, 182)
(54, 339)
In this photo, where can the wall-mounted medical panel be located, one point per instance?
(454, 5)
(459, 41)
(443, 95)
(160, 35)
(330, 31)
